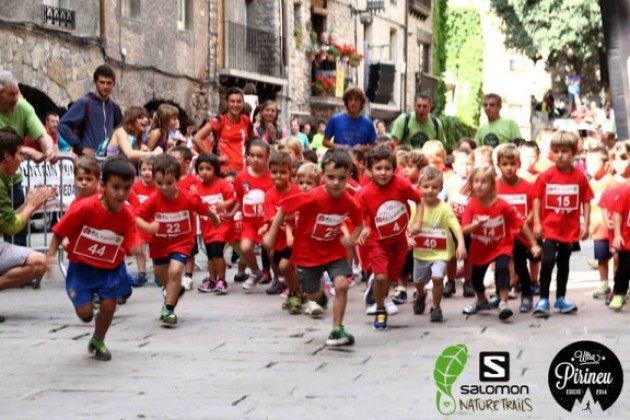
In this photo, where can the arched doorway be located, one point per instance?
(154, 104)
(39, 101)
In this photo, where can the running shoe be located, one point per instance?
(368, 297)
(542, 309)
(294, 303)
(504, 311)
(390, 307)
(564, 307)
(420, 304)
(602, 291)
(207, 285)
(313, 309)
(253, 281)
(140, 280)
(221, 288)
(98, 348)
(535, 289)
(187, 282)
(436, 315)
(449, 289)
(526, 304)
(339, 337)
(512, 293)
(469, 290)
(168, 318)
(400, 296)
(380, 320)
(276, 288)
(240, 277)
(494, 301)
(617, 302)
(285, 294)
(475, 307)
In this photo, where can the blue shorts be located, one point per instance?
(601, 249)
(84, 281)
(177, 256)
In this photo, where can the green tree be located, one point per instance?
(464, 60)
(558, 30)
(439, 52)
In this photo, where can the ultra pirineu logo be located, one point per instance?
(479, 397)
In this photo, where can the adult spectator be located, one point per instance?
(381, 129)
(318, 139)
(418, 127)
(232, 132)
(126, 139)
(50, 124)
(498, 129)
(269, 130)
(18, 114)
(573, 89)
(18, 265)
(350, 128)
(93, 117)
(297, 134)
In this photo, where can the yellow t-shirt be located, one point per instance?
(435, 242)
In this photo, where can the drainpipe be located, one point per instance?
(286, 61)
(406, 52)
(101, 11)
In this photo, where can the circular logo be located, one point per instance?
(491, 139)
(418, 140)
(585, 376)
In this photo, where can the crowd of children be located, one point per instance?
(398, 214)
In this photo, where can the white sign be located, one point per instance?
(45, 173)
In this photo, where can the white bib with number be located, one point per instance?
(562, 197)
(391, 219)
(100, 245)
(327, 226)
(491, 231)
(173, 224)
(432, 239)
(253, 204)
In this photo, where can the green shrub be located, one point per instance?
(455, 129)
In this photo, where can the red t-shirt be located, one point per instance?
(386, 209)
(138, 195)
(561, 195)
(496, 236)
(608, 200)
(622, 207)
(317, 233)
(175, 217)
(521, 197)
(272, 203)
(189, 183)
(250, 192)
(232, 140)
(97, 237)
(211, 194)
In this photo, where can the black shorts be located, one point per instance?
(215, 249)
(407, 269)
(283, 254)
(467, 241)
(195, 249)
(310, 278)
(601, 247)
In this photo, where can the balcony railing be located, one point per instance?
(252, 50)
(420, 7)
(56, 16)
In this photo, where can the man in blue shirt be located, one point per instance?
(350, 128)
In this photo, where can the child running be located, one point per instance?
(319, 245)
(141, 190)
(386, 211)
(219, 195)
(432, 241)
(621, 243)
(100, 230)
(171, 210)
(492, 224)
(560, 193)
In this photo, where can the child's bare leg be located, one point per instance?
(381, 288)
(247, 253)
(104, 317)
(341, 299)
(290, 276)
(85, 312)
(438, 286)
(175, 269)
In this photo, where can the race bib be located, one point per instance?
(491, 231)
(562, 197)
(391, 219)
(99, 245)
(173, 224)
(458, 203)
(238, 223)
(211, 201)
(327, 226)
(254, 204)
(519, 202)
(432, 239)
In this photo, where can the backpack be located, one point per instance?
(434, 120)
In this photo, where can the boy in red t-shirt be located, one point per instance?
(319, 245)
(250, 186)
(219, 195)
(188, 182)
(100, 230)
(386, 211)
(171, 210)
(621, 243)
(280, 168)
(518, 193)
(492, 224)
(141, 190)
(560, 193)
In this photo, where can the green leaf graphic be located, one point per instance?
(448, 366)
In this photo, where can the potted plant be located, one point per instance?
(297, 32)
(323, 85)
(333, 53)
(355, 59)
(312, 50)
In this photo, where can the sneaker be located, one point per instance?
(284, 295)
(239, 278)
(294, 303)
(140, 280)
(187, 282)
(99, 349)
(535, 289)
(449, 289)
(252, 282)
(207, 285)
(313, 309)
(276, 288)
(542, 309)
(339, 337)
(419, 304)
(494, 301)
(504, 311)
(436, 315)
(512, 294)
(221, 288)
(526, 304)
(399, 297)
(469, 290)
(602, 291)
(617, 302)
(380, 320)
(368, 297)
(475, 307)
(564, 307)
(609, 297)
(168, 318)
(390, 307)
